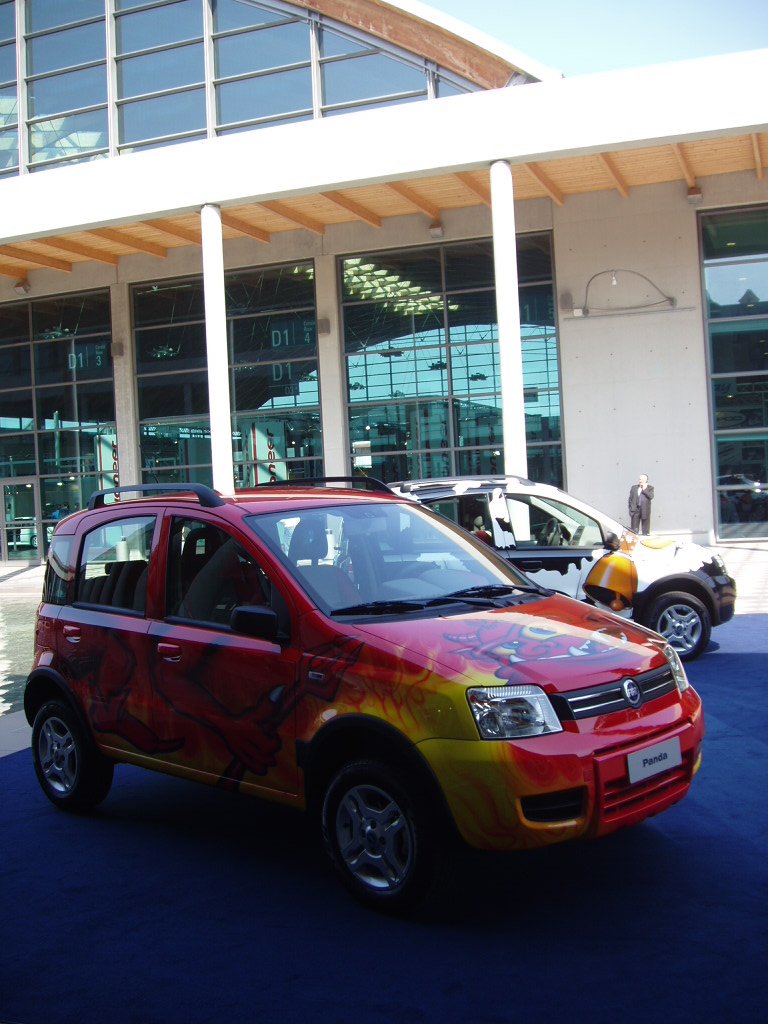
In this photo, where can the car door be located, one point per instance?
(102, 634)
(553, 542)
(222, 700)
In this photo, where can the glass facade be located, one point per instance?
(735, 269)
(272, 376)
(423, 378)
(183, 69)
(57, 406)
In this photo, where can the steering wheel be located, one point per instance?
(551, 533)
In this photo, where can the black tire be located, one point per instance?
(71, 772)
(683, 621)
(383, 841)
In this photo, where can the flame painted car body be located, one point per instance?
(354, 654)
(680, 590)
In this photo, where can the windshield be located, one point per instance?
(349, 556)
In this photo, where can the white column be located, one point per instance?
(126, 412)
(508, 315)
(331, 369)
(216, 344)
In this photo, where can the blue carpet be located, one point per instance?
(178, 903)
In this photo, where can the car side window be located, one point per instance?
(547, 522)
(209, 574)
(113, 564)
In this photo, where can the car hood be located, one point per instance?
(557, 643)
(659, 556)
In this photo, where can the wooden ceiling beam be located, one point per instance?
(685, 167)
(9, 271)
(482, 193)
(229, 220)
(288, 213)
(88, 252)
(618, 182)
(18, 252)
(757, 155)
(549, 187)
(120, 237)
(407, 193)
(167, 227)
(360, 211)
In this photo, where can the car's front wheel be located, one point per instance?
(683, 621)
(72, 773)
(382, 840)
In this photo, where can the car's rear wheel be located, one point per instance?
(683, 621)
(71, 772)
(382, 839)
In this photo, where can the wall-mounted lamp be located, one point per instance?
(694, 196)
(436, 229)
(22, 287)
(586, 309)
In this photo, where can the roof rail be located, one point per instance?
(207, 496)
(367, 483)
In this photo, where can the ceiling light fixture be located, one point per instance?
(22, 287)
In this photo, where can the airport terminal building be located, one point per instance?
(246, 240)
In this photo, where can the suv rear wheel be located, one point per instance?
(382, 842)
(683, 621)
(72, 773)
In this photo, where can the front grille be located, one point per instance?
(602, 700)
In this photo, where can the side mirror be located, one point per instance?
(254, 620)
(611, 542)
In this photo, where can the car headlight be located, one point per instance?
(512, 712)
(681, 679)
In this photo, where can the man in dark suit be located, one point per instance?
(640, 498)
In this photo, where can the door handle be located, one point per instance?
(531, 566)
(72, 634)
(169, 652)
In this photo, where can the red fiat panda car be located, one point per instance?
(350, 653)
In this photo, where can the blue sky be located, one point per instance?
(580, 36)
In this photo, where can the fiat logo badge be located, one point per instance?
(631, 692)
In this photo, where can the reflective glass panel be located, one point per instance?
(8, 108)
(43, 14)
(739, 347)
(478, 422)
(8, 64)
(282, 336)
(469, 266)
(258, 291)
(263, 49)
(15, 369)
(742, 475)
(171, 348)
(168, 448)
(738, 233)
(71, 360)
(368, 76)
(68, 91)
(9, 150)
(266, 96)
(68, 136)
(406, 278)
(17, 455)
(172, 23)
(66, 316)
(163, 115)
(277, 447)
(153, 72)
(740, 402)
(168, 302)
(66, 49)
(534, 258)
(334, 45)
(74, 406)
(7, 21)
(67, 494)
(737, 289)
(233, 14)
(183, 394)
(276, 386)
(72, 451)
(16, 412)
(545, 463)
(479, 462)
(14, 324)
(382, 331)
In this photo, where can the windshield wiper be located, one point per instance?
(384, 607)
(494, 590)
(489, 595)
